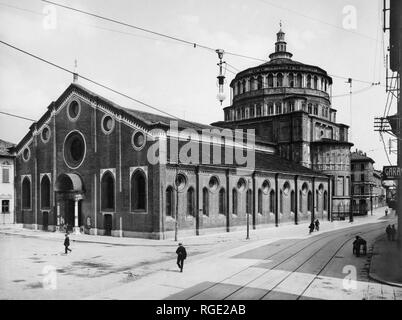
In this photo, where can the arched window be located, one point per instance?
(107, 191)
(169, 201)
(272, 201)
(244, 86)
(239, 88)
(234, 201)
(291, 80)
(310, 201)
(279, 80)
(315, 82)
(292, 202)
(300, 201)
(270, 81)
(270, 108)
(205, 201)
(259, 110)
(278, 108)
(259, 82)
(191, 202)
(222, 201)
(248, 201)
(299, 80)
(309, 81)
(138, 191)
(259, 201)
(26, 193)
(325, 200)
(310, 108)
(45, 192)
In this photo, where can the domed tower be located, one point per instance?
(288, 103)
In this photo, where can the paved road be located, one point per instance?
(318, 267)
(277, 263)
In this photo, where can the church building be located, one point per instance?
(85, 165)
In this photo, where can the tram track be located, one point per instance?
(327, 238)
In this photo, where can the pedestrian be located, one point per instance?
(311, 227)
(386, 211)
(393, 232)
(317, 224)
(356, 247)
(181, 256)
(388, 230)
(67, 243)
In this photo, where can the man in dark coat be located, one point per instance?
(181, 256)
(317, 225)
(67, 243)
(388, 230)
(311, 227)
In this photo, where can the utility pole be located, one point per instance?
(399, 162)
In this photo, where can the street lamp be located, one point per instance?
(351, 205)
(371, 198)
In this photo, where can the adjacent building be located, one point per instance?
(367, 190)
(6, 183)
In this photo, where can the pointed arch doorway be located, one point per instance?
(69, 193)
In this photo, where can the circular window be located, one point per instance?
(26, 154)
(213, 183)
(265, 186)
(180, 181)
(45, 135)
(241, 184)
(74, 149)
(138, 140)
(73, 110)
(107, 124)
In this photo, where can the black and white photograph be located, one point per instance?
(220, 152)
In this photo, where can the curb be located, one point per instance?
(375, 277)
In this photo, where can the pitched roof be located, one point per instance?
(4, 148)
(356, 156)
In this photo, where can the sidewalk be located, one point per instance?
(283, 231)
(386, 262)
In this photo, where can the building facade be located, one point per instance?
(6, 183)
(90, 165)
(288, 103)
(367, 190)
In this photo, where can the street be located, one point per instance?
(289, 265)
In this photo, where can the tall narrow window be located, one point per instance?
(291, 80)
(309, 81)
(205, 201)
(315, 82)
(259, 201)
(259, 82)
(279, 80)
(299, 80)
(107, 191)
(138, 191)
(222, 201)
(169, 201)
(310, 201)
(234, 201)
(248, 201)
(270, 81)
(6, 175)
(325, 200)
(26, 193)
(281, 202)
(272, 201)
(191, 202)
(45, 192)
(292, 202)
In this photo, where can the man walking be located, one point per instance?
(181, 256)
(388, 230)
(386, 211)
(317, 225)
(67, 243)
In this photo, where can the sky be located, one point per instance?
(344, 38)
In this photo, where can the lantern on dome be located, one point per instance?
(221, 77)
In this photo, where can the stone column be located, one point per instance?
(76, 226)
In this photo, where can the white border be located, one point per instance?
(113, 124)
(132, 140)
(68, 109)
(41, 134)
(85, 148)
